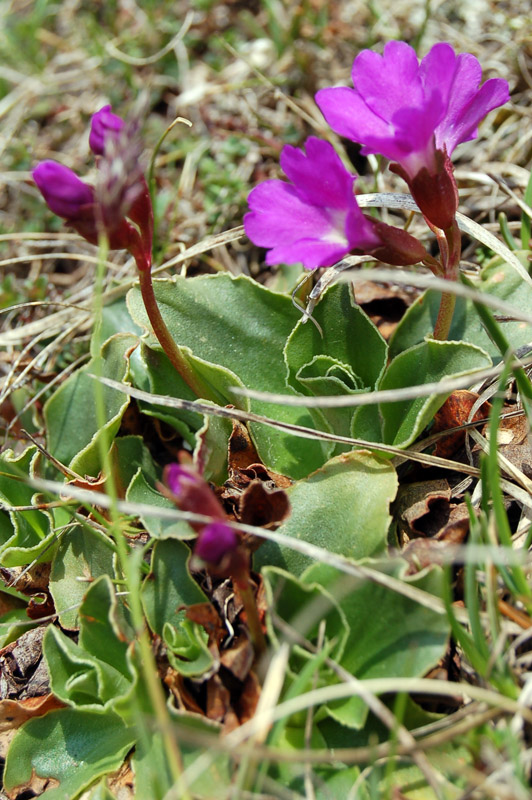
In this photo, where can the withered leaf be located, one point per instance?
(514, 442)
(261, 505)
(454, 412)
(27, 580)
(249, 698)
(238, 658)
(35, 787)
(207, 616)
(13, 713)
(240, 449)
(180, 688)
(19, 662)
(421, 506)
(218, 706)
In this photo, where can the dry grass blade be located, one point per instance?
(454, 554)
(478, 232)
(327, 694)
(297, 430)
(445, 386)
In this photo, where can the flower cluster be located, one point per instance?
(190, 492)
(119, 206)
(412, 113)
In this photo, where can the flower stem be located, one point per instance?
(445, 316)
(451, 249)
(241, 580)
(165, 339)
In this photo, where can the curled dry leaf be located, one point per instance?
(454, 412)
(420, 508)
(27, 580)
(22, 670)
(13, 714)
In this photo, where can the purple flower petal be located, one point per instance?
(462, 126)
(65, 194)
(401, 86)
(348, 115)
(315, 219)
(278, 215)
(405, 110)
(104, 125)
(214, 541)
(332, 188)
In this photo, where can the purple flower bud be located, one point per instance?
(215, 541)
(192, 493)
(176, 476)
(104, 126)
(65, 194)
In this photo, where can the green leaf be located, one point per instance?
(219, 772)
(129, 454)
(496, 279)
(24, 535)
(211, 452)
(153, 778)
(342, 507)
(426, 362)
(348, 336)
(116, 319)
(101, 792)
(169, 585)
(291, 598)
(140, 491)
(76, 677)
(75, 747)
(83, 554)
(93, 673)
(70, 414)
(102, 633)
(152, 372)
(237, 324)
(331, 361)
(188, 651)
(390, 635)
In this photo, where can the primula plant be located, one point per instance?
(238, 556)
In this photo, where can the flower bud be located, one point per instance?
(65, 194)
(397, 246)
(435, 193)
(215, 541)
(104, 126)
(192, 493)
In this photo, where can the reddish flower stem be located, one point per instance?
(242, 582)
(451, 249)
(164, 337)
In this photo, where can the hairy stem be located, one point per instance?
(445, 316)
(165, 339)
(451, 249)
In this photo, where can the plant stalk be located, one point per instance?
(451, 250)
(241, 580)
(164, 337)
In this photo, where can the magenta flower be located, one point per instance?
(65, 194)
(104, 126)
(406, 110)
(314, 219)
